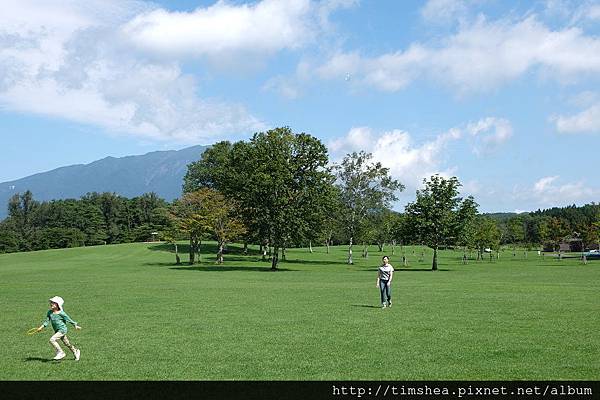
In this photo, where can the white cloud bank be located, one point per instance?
(586, 121)
(409, 162)
(480, 56)
(234, 34)
(222, 29)
(114, 63)
(551, 191)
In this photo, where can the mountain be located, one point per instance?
(160, 172)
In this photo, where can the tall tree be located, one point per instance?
(291, 179)
(558, 229)
(434, 214)
(220, 214)
(515, 231)
(21, 211)
(188, 215)
(365, 187)
(278, 178)
(487, 235)
(467, 225)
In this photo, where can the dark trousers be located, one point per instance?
(386, 291)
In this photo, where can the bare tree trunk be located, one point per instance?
(283, 253)
(198, 244)
(327, 244)
(310, 246)
(275, 259)
(177, 259)
(220, 253)
(350, 253)
(366, 251)
(245, 247)
(435, 261)
(192, 252)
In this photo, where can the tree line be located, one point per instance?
(96, 218)
(278, 190)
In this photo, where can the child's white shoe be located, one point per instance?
(77, 354)
(60, 355)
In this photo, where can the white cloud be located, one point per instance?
(482, 55)
(389, 72)
(221, 29)
(586, 121)
(411, 162)
(544, 184)
(408, 162)
(550, 191)
(71, 62)
(444, 11)
(489, 133)
(226, 32)
(573, 11)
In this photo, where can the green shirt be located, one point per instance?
(58, 321)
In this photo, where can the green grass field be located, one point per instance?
(315, 319)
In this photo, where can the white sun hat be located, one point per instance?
(58, 300)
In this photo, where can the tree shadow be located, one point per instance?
(420, 270)
(223, 268)
(365, 306)
(38, 359)
(411, 269)
(205, 248)
(317, 262)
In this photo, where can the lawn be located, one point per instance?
(317, 318)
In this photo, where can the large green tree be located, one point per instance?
(435, 214)
(466, 225)
(366, 187)
(220, 214)
(487, 236)
(189, 216)
(279, 179)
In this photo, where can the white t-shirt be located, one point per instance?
(385, 271)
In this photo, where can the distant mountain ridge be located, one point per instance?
(160, 172)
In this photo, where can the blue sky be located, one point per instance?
(503, 95)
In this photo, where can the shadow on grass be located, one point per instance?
(365, 306)
(38, 359)
(209, 248)
(224, 268)
(317, 262)
(411, 269)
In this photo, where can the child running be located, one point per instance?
(384, 282)
(57, 316)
